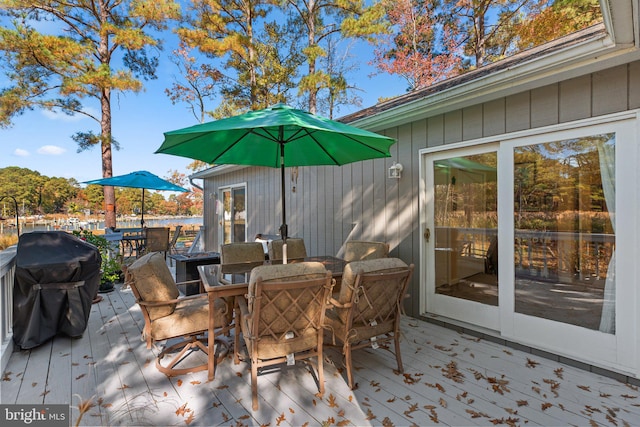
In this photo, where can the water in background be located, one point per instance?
(28, 226)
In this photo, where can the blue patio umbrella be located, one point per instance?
(139, 179)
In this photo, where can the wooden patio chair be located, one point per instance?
(240, 253)
(295, 249)
(360, 250)
(156, 239)
(167, 316)
(282, 318)
(366, 312)
(174, 239)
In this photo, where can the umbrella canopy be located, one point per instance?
(139, 179)
(276, 137)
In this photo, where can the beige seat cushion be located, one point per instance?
(190, 315)
(368, 266)
(284, 273)
(233, 253)
(295, 249)
(359, 250)
(154, 282)
(270, 346)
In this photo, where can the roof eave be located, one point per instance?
(586, 57)
(216, 170)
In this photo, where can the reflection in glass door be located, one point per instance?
(564, 231)
(234, 214)
(464, 247)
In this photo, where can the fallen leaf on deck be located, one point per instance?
(124, 386)
(387, 422)
(179, 383)
(453, 373)
(195, 382)
(34, 384)
(343, 423)
(332, 401)
(522, 403)
(584, 387)
(189, 419)
(292, 411)
(80, 376)
(280, 419)
(628, 396)
(546, 406)
(442, 402)
(532, 363)
(559, 372)
(476, 414)
(370, 415)
(245, 416)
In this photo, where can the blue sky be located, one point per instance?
(41, 141)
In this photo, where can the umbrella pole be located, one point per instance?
(283, 227)
(142, 211)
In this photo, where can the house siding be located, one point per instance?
(333, 204)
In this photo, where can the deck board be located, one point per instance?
(450, 379)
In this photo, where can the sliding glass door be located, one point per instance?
(522, 237)
(233, 222)
(462, 236)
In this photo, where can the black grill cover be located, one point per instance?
(57, 277)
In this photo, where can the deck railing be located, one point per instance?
(547, 254)
(7, 272)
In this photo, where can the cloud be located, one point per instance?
(20, 152)
(58, 115)
(51, 150)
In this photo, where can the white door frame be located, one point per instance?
(618, 352)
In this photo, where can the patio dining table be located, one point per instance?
(210, 275)
(132, 241)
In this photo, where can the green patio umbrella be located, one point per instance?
(276, 137)
(139, 179)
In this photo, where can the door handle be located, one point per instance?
(427, 233)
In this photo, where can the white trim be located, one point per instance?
(620, 352)
(217, 170)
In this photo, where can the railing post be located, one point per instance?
(7, 274)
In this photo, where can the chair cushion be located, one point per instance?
(191, 315)
(368, 266)
(295, 249)
(334, 322)
(284, 273)
(154, 282)
(233, 253)
(357, 250)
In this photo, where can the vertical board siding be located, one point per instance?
(634, 85)
(453, 127)
(544, 106)
(610, 90)
(493, 117)
(358, 201)
(472, 122)
(518, 112)
(575, 103)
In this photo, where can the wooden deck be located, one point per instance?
(450, 379)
